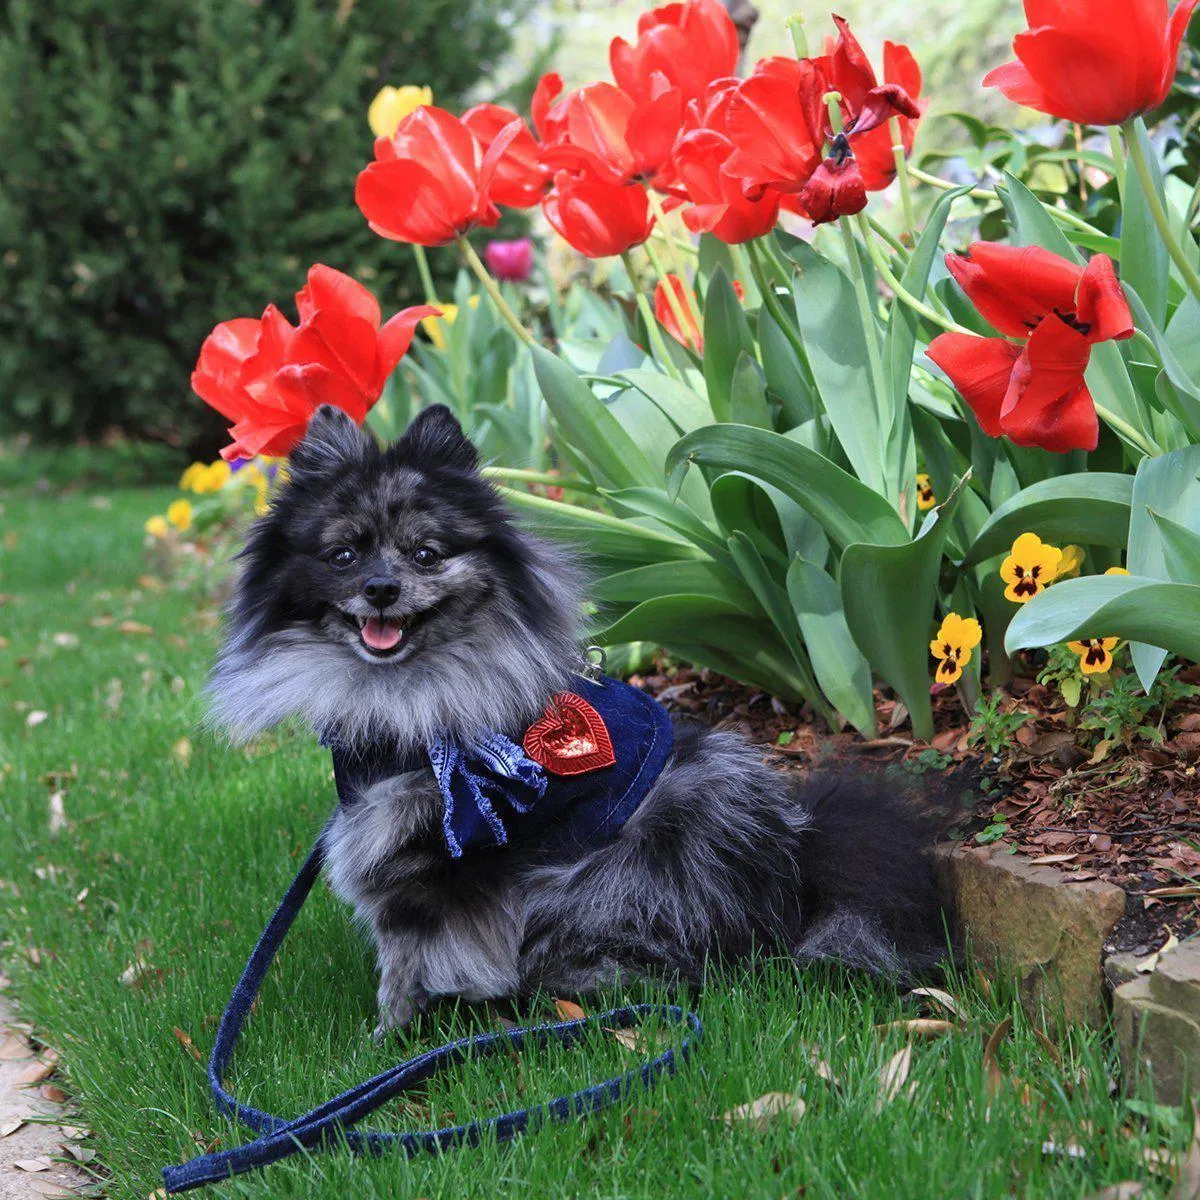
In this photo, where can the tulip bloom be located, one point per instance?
(873, 149)
(866, 103)
(1034, 393)
(430, 182)
(665, 313)
(512, 261)
(519, 180)
(835, 189)
(605, 132)
(268, 376)
(1094, 64)
(597, 217)
(719, 205)
(685, 44)
(392, 104)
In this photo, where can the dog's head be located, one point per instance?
(387, 593)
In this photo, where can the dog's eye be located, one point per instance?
(426, 556)
(343, 556)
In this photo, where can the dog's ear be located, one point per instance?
(436, 439)
(333, 441)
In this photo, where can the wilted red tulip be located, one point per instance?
(1094, 64)
(606, 132)
(665, 312)
(719, 205)
(866, 103)
(1034, 394)
(512, 261)
(430, 181)
(687, 45)
(597, 217)
(519, 179)
(268, 376)
(873, 149)
(835, 189)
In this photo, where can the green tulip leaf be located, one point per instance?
(726, 336)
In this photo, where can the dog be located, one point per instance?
(389, 598)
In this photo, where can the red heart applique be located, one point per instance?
(571, 738)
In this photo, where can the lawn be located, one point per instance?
(143, 907)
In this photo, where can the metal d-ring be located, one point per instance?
(594, 662)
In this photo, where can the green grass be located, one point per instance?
(183, 860)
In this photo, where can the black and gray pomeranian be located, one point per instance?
(389, 598)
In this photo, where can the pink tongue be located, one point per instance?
(381, 635)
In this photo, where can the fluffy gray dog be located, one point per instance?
(389, 599)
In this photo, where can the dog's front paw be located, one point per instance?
(398, 1004)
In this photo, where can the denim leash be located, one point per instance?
(326, 1125)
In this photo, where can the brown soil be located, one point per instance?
(1129, 815)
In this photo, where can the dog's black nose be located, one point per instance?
(381, 590)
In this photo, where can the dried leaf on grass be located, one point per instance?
(761, 1112)
(38, 1072)
(81, 1154)
(136, 629)
(922, 1027)
(821, 1067)
(10, 1127)
(51, 1189)
(568, 1010)
(181, 751)
(1147, 965)
(639, 1041)
(185, 1040)
(41, 1163)
(1129, 1190)
(58, 812)
(36, 717)
(993, 1077)
(938, 996)
(892, 1077)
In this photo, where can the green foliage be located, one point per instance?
(1124, 713)
(1062, 671)
(172, 164)
(993, 725)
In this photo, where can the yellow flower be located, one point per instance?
(157, 526)
(952, 647)
(203, 478)
(434, 326)
(1116, 571)
(1095, 654)
(1030, 567)
(179, 513)
(925, 497)
(1071, 564)
(392, 104)
(187, 481)
(261, 505)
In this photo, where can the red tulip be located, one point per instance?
(1034, 394)
(549, 120)
(687, 45)
(665, 313)
(268, 376)
(1094, 64)
(866, 103)
(873, 149)
(835, 189)
(607, 133)
(719, 206)
(599, 218)
(519, 180)
(430, 181)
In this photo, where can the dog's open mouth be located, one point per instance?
(383, 637)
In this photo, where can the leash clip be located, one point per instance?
(594, 662)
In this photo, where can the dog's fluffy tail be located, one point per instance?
(871, 900)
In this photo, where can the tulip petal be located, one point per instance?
(333, 290)
(1019, 86)
(1100, 302)
(406, 202)
(1014, 287)
(1180, 19)
(980, 369)
(1048, 404)
(396, 337)
(548, 89)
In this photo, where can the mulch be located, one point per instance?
(1126, 814)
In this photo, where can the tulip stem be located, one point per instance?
(676, 263)
(1118, 156)
(661, 353)
(771, 299)
(1126, 431)
(674, 303)
(490, 286)
(425, 274)
(866, 312)
(1141, 165)
(896, 244)
(898, 153)
(902, 293)
(1059, 214)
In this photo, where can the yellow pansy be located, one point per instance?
(187, 481)
(392, 104)
(1116, 571)
(157, 526)
(1030, 567)
(952, 647)
(1071, 563)
(179, 513)
(204, 478)
(925, 497)
(1095, 654)
(435, 326)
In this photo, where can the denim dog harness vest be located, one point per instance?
(575, 778)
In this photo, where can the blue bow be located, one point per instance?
(473, 779)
